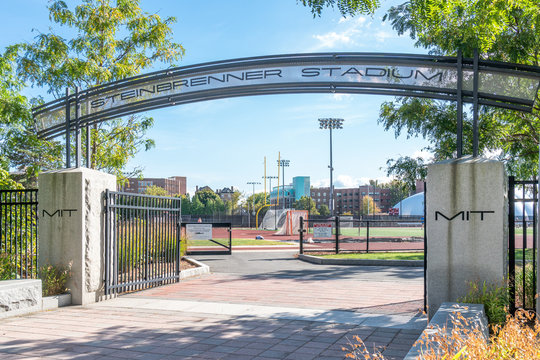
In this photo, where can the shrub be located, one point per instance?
(495, 299)
(54, 279)
(8, 268)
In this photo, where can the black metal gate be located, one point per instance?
(19, 234)
(142, 246)
(217, 239)
(522, 251)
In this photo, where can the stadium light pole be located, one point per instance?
(252, 183)
(331, 123)
(283, 163)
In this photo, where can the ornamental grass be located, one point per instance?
(518, 338)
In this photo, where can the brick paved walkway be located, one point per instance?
(119, 333)
(385, 297)
(296, 312)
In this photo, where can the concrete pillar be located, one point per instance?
(467, 227)
(71, 227)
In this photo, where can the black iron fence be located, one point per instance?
(142, 247)
(340, 235)
(522, 240)
(19, 233)
(207, 238)
(236, 220)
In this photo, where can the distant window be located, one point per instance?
(318, 194)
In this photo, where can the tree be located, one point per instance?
(407, 170)
(235, 198)
(369, 206)
(110, 42)
(398, 190)
(19, 146)
(306, 203)
(6, 183)
(345, 7)
(156, 191)
(501, 30)
(323, 210)
(197, 208)
(256, 201)
(186, 204)
(207, 202)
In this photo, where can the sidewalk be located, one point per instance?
(256, 306)
(120, 329)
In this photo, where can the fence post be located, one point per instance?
(178, 240)
(230, 238)
(146, 235)
(367, 236)
(337, 234)
(107, 242)
(425, 248)
(511, 245)
(301, 235)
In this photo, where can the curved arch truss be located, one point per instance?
(498, 84)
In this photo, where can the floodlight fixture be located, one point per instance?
(331, 123)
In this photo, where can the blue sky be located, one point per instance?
(223, 142)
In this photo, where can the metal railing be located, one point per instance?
(19, 233)
(219, 243)
(522, 250)
(356, 235)
(142, 246)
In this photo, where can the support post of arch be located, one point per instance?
(467, 227)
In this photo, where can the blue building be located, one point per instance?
(288, 194)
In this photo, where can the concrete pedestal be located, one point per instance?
(467, 227)
(71, 227)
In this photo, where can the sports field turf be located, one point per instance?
(237, 242)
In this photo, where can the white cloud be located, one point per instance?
(340, 97)
(426, 155)
(347, 181)
(343, 37)
(381, 36)
(332, 39)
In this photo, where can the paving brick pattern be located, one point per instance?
(124, 328)
(382, 297)
(97, 333)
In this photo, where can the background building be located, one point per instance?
(350, 200)
(174, 185)
(288, 194)
(226, 193)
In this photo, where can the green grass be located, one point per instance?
(378, 256)
(528, 254)
(383, 231)
(237, 242)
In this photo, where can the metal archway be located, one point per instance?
(480, 82)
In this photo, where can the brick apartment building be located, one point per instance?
(174, 185)
(349, 200)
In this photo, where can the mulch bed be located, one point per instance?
(184, 265)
